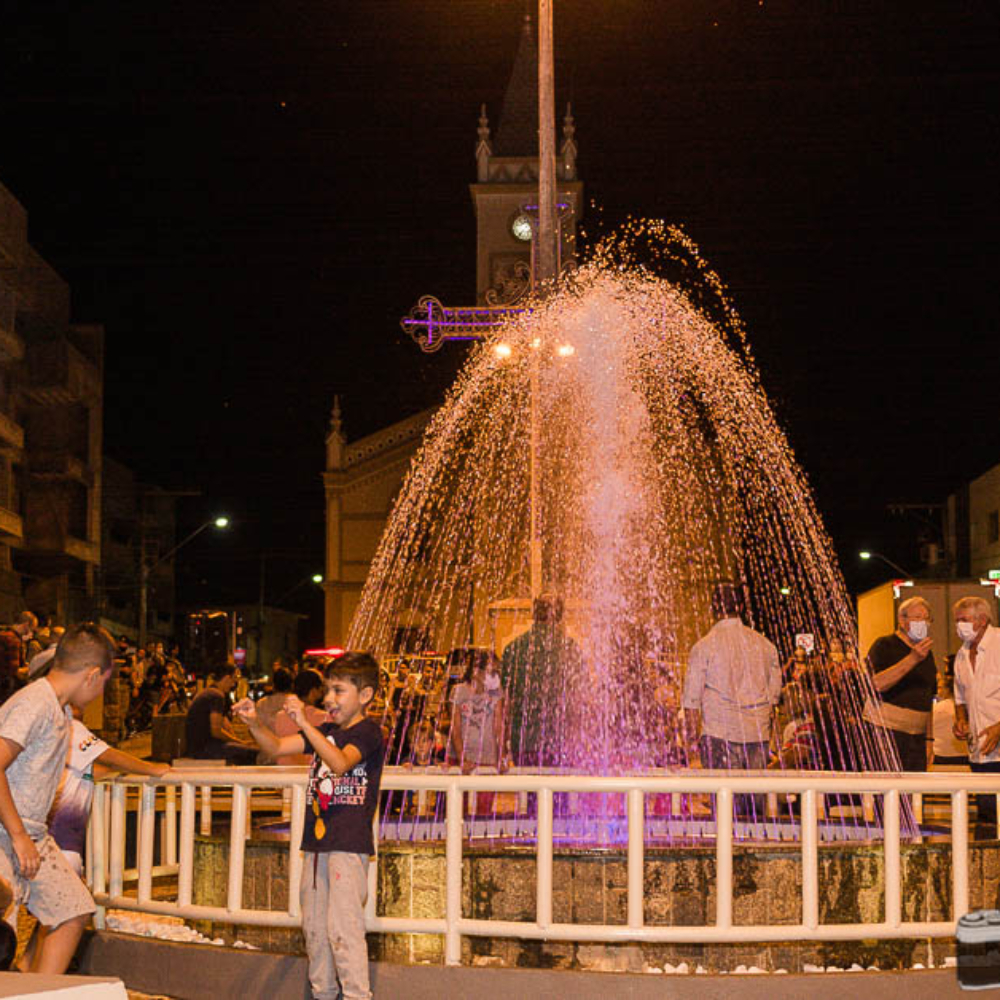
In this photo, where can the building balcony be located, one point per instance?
(44, 295)
(13, 229)
(55, 552)
(56, 465)
(55, 525)
(59, 374)
(11, 434)
(11, 527)
(11, 345)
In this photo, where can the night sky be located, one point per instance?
(249, 197)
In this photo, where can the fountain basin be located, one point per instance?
(590, 887)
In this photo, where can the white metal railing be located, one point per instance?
(107, 874)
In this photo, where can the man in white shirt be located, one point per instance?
(733, 681)
(977, 695)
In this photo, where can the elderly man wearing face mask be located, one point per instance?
(904, 673)
(977, 693)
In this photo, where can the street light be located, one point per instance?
(867, 555)
(145, 571)
(316, 578)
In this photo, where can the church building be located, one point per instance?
(363, 478)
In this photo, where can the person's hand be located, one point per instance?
(28, 858)
(295, 710)
(960, 728)
(922, 648)
(246, 710)
(989, 738)
(161, 770)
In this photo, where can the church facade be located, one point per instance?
(363, 478)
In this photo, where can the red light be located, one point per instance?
(332, 651)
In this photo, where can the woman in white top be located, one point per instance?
(949, 750)
(477, 715)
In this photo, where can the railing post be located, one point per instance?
(237, 844)
(892, 866)
(453, 873)
(960, 853)
(206, 810)
(96, 844)
(170, 819)
(810, 858)
(298, 822)
(724, 857)
(543, 882)
(185, 873)
(117, 852)
(147, 831)
(636, 856)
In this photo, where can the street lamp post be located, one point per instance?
(145, 570)
(535, 546)
(866, 555)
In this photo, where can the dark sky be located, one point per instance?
(250, 196)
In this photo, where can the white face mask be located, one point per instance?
(491, 682)
(917, 630)
(966, 631)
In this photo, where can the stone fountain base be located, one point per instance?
(590, 887)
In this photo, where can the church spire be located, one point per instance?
(517, 131)
(336, 440)
(568, 150)
(483, 148)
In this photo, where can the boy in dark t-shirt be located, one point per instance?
(341, 797)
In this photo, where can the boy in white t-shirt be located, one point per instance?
(71, 810)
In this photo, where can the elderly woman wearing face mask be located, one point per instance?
(903, 672)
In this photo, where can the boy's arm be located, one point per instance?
(117, 760)
(340, 761)
(28, 858)
(272, 745)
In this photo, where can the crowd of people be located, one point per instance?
(49, 760)
(828, 711)
(346, 718)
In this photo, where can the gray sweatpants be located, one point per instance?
(334, 892)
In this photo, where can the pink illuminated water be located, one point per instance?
(660, 471)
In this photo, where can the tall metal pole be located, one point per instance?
(547, 249)
(535, 546)
(546, 259)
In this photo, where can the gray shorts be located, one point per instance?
(56, 894)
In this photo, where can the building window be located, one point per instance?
(993, 526)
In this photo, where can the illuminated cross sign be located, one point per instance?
(994, 574)
(430, 323)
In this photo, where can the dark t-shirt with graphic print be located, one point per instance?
(340, 808)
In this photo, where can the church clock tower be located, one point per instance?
(505, 194)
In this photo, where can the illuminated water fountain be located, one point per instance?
(612, 446)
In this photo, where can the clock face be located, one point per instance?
(521, 228)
